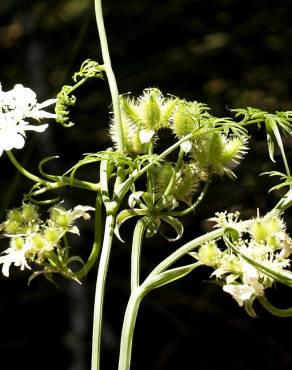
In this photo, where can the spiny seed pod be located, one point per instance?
(163, 176)
(150, 104)
(187, 183)
(133, 144)
(142, 118)
(219, 154)
(183, 122)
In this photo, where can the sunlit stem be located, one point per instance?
(150, 180)
(100, 289)
(187, 248)
(110, 75)
(98, 235)
(138, 235)
(128, 328)
(23, 171)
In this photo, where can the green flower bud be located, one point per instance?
(12, 227)
(15, 215)
(266, 229)
(52, 235)
(209, 254)
(38, 241)
(258, 231)
(17, 242)
(61, 217)
(29, 213)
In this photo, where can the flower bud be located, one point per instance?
(209, 254)
(17, 242)
(29, 213)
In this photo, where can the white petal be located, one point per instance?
(81, 211)
(186, 146)
(37, 128)
(14, 141)
(240, 292)
(146, 135)
(46, 103)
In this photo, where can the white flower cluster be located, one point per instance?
(264, 242)
(17, 107)
(34, 240)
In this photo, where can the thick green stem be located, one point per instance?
(140, 228)
(110, 75)
(100, 289)
(128, 328)
(97, 239)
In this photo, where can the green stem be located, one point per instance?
(140, 228)
(100, 289)
(97, 239)
(150, 180)
(187, 248)
(23, 171)
(110, 75)
(128, 328)
(274, 310)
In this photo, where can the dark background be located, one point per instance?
(227, 53)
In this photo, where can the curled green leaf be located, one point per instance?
(64, 101)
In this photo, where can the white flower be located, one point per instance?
(240, 292)
(65, 218)
(16, 106)
(14, 255)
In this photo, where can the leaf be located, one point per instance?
(135, 198)
(42, 172)
(166, 277)
(176, 225)
(125, 215)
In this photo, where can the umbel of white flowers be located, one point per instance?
(264, 241)
(39, 242)
(18, 109)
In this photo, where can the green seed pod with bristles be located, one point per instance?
(163, 176)
(151, 110)
(167, 110)
(186, 184)
(219, 154)
(130, 110)
(183, 122)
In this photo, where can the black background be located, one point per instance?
(227, 53)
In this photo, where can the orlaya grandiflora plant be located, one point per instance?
(247, 257)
